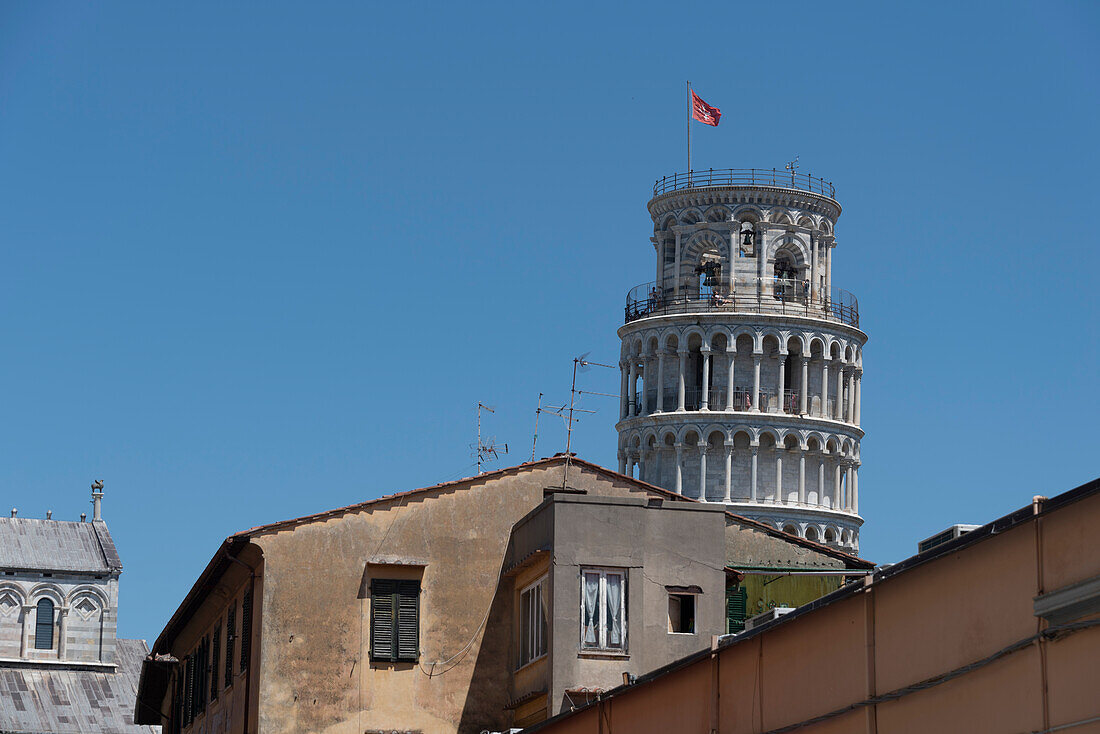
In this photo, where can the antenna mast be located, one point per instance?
(485, 452)
(582, 362)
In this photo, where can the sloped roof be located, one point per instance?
(36, 698)
(848, 558)
(57, 545)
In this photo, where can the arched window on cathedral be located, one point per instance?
(43, 628)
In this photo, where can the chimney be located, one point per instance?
(14, 511)
(97, 500)
(49, 514)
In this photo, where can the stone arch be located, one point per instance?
(778, 340)
(748, 331)
(46, 590)
(779, 215)
(831, 534)
(88, 590)
(715, 428)
(667, 222)
(835, 348)
(12, 598)
(666, 437)
(800, 342)
(670, 340)
(742, 437)
(806, 221)
(825, 225)
(817, 345)
(791, 529)
(776, 435)
(748, 213)
(811, 533)
(652, 344)
(691, 216)
(792, 244)
(831, 445)
(685, 430)
(717, 213)
(693, 330)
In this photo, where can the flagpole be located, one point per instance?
(689, 130)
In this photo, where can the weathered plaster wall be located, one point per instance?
(317, 676)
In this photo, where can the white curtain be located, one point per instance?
(614, 605)
(591, 608)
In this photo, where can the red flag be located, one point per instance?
(703, 112)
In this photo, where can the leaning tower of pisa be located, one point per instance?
(741, 362)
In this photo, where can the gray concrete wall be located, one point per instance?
(667, 544)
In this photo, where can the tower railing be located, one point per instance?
(754, 295)
(744, 177)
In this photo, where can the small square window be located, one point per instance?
(681, 614)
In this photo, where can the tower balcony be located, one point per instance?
(744, 177)
(779, 296)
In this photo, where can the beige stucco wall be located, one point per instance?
(924, 622)
(316, 673)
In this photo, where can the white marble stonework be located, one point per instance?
(742, 363)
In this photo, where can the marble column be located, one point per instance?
(681, 385)
(752, 472)
(731, 356)
(855, 488)
(705, 387)
(660, 382)
(756, 382)
(840, 393)
(859, 379)
(779, 474)
(801, 476)
(679, 468)
(821, 481)
(703, 472)
(62, 630)
(805, 385)
(782, 383)
(632, 383)
(729, 473)
(825, 389)
(625, 387)
(851, 395)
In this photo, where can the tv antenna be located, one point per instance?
(486, 451)
(582, 363)
(558, 411)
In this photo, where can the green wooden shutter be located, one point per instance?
(246, 629)
(735, 609)
(215, 661)
(230, 635)
(408, 620)
(383, 594)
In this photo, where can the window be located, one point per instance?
(230, 635)
(681, 614)
(215, 655)
(603, 609)
(394, 620)
(246, 629)
(43, 626)
(736, 609)
(532, 622)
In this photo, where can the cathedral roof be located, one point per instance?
(57, 545)
(38, 698)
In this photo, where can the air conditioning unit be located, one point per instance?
(946, 536)
(765, 617)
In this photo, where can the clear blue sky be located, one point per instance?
(262, 260)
